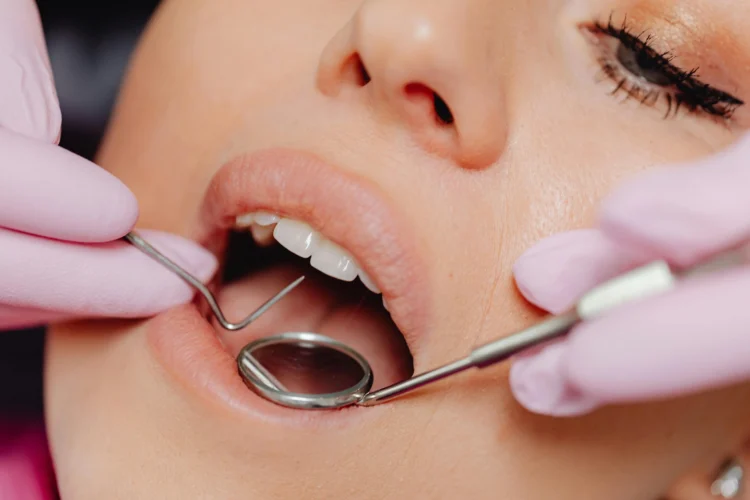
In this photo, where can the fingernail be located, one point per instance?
(186, 253)
(538, 384)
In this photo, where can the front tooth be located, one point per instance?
(367, 281)
(263, 235)
(297, 237)
(266, 219)
(385, 305)
(244, 220)
(332, 260)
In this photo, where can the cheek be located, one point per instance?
(172, 119)
(561, 162)
(550, 179)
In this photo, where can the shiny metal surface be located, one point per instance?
(149, 250)
(486, 355)
(502, 349)
(645, 281)
(414, 383)
(247, 364)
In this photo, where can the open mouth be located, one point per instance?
(338, 299)
(272, 216)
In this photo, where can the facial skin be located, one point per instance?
(536, 140)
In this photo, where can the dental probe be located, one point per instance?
(651, 279)
(249, 362)
(648, 280)
(149, 250)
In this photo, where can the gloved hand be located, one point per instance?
(694, 338)
(59, 213)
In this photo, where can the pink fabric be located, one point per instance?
(26, 471)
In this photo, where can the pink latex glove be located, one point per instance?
(60, 214)
(692, 339)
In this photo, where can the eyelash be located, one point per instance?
(680, 89)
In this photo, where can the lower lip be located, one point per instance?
(187, 346)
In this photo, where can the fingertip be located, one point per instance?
(112, 279)
(540, 271)
(108, 210)
(163, 289)
(555, 272)
(187, 253)
(539, 384)
(117, 217)
(57, 194)
(170, 294)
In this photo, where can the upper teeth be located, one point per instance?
(301, 239)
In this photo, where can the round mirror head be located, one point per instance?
(305, 371)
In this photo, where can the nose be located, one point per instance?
(421, 63)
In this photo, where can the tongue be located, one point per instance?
(343, 311)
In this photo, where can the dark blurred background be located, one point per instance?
(89, 45)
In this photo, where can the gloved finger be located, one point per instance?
(692, 339)
(107, 279)
(17, 318)
(536, 382)
(555, 272)
(685, 212)
(48, 191)
(28, 101)
(552, 275)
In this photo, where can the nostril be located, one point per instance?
(442, 110)
(355, 71)
(418, 92)
(363, 74)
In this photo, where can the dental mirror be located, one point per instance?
(311, 371)
(305, 371)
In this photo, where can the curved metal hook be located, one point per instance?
(149, 250)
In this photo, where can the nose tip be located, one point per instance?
(425, 71)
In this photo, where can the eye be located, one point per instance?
(641, 65)
(643, 73)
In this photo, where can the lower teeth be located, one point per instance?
(263, 235)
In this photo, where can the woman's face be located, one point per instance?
(434, 141)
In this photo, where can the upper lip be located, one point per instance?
(347, 210)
